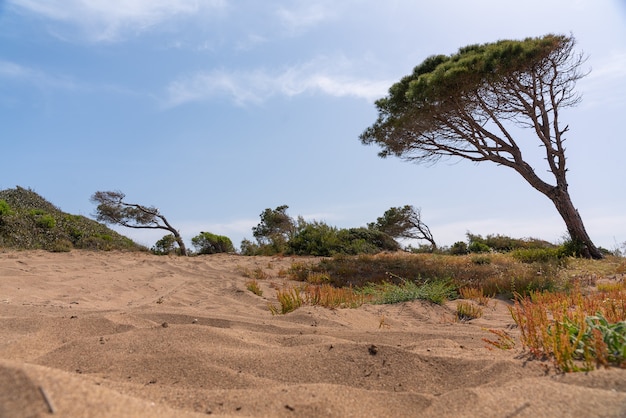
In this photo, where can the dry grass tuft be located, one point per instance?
(257, 273)
(466, 311)
(253, 286)
(317, 295)
(476, 294)
(504, 340)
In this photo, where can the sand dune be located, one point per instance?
(86, 334)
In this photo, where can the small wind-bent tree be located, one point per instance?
(113, 210)
(404, 222)
(275, 228)
(467, 105)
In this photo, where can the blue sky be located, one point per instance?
(215, 110)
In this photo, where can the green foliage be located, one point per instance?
(46, 221)
(165, 245)
(404, 222)
(5, 208)
(365, 241)
(315, 238)
(459, 248)
(34, 223)
(613, 335)
(277, 233)
(208, 243)
(433, 291)
(572, 248)
(503, 243)
(319, 239)
(275, 228)
(478, 247)
(248, 247)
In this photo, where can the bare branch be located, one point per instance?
(112, 209)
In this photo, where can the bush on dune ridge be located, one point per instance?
(28, 221)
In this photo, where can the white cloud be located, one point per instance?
(604, 86)
(305, 15)
(319, 76)
(108, 20)
(613, 68)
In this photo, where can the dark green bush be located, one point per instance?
(165, 245)
(208, 243)
(503, 243)
(459, 248)
(319, 239)
(365, 241)
(315, 238)
(478, 247)
(248, 247)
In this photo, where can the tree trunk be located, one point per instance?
(574, 223)
(181, 243)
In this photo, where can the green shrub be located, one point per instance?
(165, 245)
(478, 247)
(365, 241)
(436, 291)
(5, 208)
(248, 247)
(36, 212)
(46, 221)
(315, 238)
(503, 243)
(320, 239)
(572, 248)
(208, 243)
(459, 248)
(35, 223)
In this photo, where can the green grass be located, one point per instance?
(385, 293)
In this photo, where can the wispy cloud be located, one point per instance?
(604, 85)
(614, 67)
(19, 73)
(108, 20)
(305, 15)
(331, 77)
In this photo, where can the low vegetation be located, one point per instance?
(569, 310)
(579, 330)
(28, 221)
(493, 273)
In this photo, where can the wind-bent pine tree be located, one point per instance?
(112, 209)
(467, 105)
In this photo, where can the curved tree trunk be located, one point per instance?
(574, 223)
(181, 243)
(559, 195)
